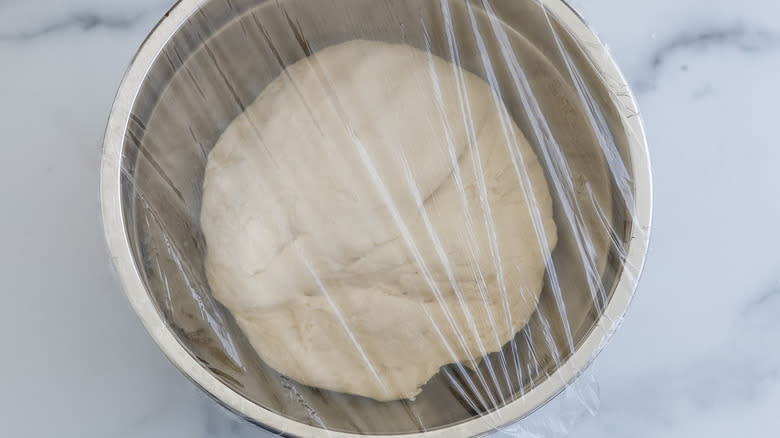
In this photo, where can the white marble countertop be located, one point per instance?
(697, 356)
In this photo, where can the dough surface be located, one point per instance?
(374, 215)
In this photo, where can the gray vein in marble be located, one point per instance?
(765, 298)
(733, 373)
(739, 36)
(81, 21)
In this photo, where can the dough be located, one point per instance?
(374, 215)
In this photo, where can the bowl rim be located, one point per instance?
(124, 262)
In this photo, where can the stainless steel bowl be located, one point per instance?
(207, 60)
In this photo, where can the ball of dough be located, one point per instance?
(374, 215)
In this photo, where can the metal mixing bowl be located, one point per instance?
(207, 60)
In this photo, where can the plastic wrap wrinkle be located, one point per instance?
(382, 229)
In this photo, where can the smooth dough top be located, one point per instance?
(374, 215)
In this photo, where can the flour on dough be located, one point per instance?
(374, 215)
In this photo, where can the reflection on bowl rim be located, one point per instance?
(123, 260)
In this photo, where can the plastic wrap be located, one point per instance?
(365, 218)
